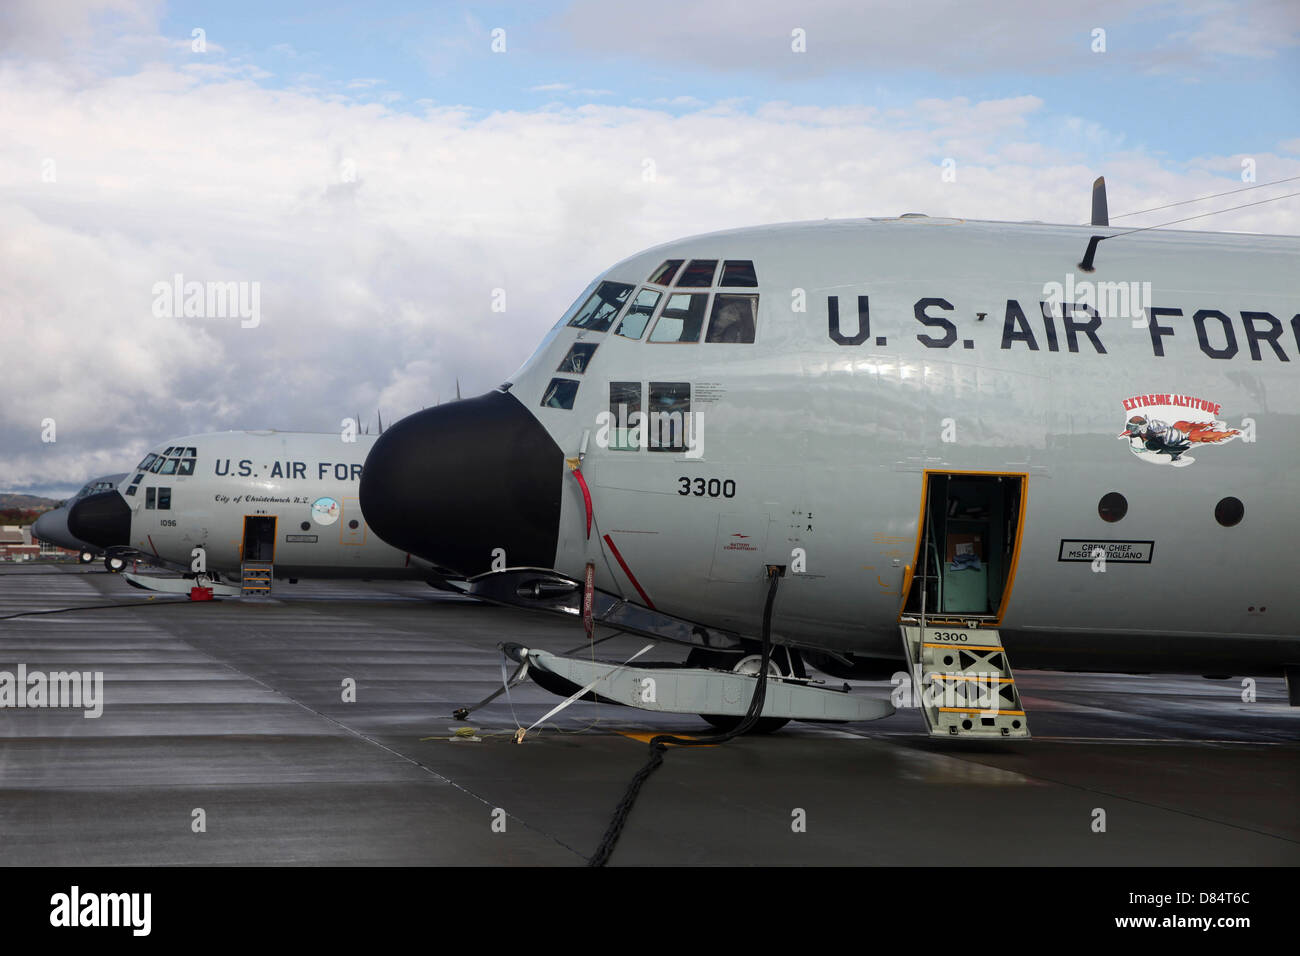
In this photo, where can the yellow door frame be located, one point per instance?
(910, 570)
(243, 537)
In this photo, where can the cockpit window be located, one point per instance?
(699, 272)
(739, 273)
(176, 460)
(670, 413)
(732, 319)
(579, 355)
(625, 412)
(682, 318)
(638, 313)
(560, 393)
(664, 274)
(598, 312)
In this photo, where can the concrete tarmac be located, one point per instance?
(234, 712)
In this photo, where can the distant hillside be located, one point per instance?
(25, 502)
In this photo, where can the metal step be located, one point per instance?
(255, 579)
(963, 681)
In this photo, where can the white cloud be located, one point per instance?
(1257, 30)
(943, 36)
(568, 89)
(378, 237)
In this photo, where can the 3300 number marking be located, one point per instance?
(707, 488)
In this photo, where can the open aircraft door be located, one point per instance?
(257, 555)
(954, 597)
(968, 545)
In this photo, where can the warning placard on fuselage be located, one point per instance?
(1123, 552)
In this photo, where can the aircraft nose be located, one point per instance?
(453, 483)
(52, 526)
(102, 519)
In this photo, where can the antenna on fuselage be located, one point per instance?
(1088, 256)
(1100, 217)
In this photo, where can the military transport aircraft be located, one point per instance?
(52, 525)
(259, 504)
(913, 421)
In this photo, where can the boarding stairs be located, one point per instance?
(962, 680)
(255, 579)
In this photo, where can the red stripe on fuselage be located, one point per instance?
(628, 571)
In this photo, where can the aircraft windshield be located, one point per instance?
(638, 314)
(598, 312)
(682, 318)
(176, 460)
(732, 317)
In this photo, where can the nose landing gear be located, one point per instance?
(747, 665)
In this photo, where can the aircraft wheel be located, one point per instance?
(115, 564)
(764, 725)
(85, 557)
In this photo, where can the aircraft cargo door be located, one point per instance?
(968, 543)
(259, 538)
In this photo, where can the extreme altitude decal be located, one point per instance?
(1164, 427)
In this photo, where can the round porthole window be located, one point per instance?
(353, 524)
(1112, 506)
(1229, 512)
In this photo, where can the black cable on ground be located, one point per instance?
(74, 569)
(97, 607)
(659, 744)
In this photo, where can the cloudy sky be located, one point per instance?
(379, 169)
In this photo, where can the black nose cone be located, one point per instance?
(454, 483)
(102, 519)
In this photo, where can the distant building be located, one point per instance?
(16, 543)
